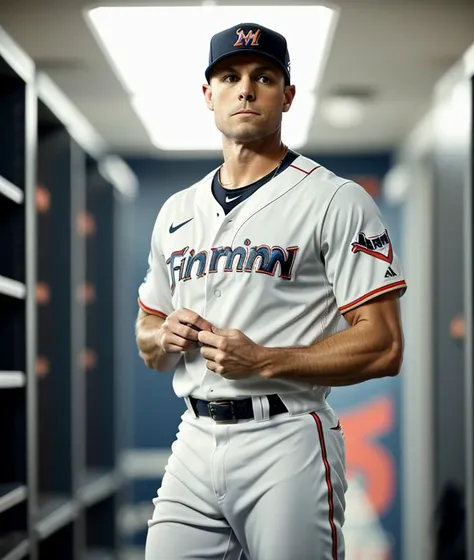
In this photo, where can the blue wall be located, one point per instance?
(370, 412)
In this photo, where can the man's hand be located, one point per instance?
(180, 330)
(231, 354)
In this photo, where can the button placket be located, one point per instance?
(218, 241)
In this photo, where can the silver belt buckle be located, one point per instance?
(222, 412)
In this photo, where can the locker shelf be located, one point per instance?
(12, 288)
(12, 379)
(13, 546)
(99, 484)
(11, 191)
(55, 512)
(11, 495)
(53, 424)
(15, 57)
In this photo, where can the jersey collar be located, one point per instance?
(265, 195)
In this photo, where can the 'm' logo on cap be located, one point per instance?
(250, 38)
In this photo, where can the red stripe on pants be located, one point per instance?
(328, 482)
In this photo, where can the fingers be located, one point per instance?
(174, 348)
(216, 368)
(210, 353)
(190, 325)
(214, 340)
(214, 360)
(171, 342)
(180, 330)
(188, 317)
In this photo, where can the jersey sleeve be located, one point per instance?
(154, 294)
(357, 251)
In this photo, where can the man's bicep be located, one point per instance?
(382, 314)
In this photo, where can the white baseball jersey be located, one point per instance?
(283, 267)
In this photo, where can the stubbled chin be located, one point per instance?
(247, 136)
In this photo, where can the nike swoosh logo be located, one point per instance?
(227, 199)
(175, 228)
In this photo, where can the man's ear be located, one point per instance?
(207, 91)
(289, 95)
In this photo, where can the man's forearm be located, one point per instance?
(154, 356)
(346, 358)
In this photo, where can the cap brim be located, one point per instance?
(275, 60)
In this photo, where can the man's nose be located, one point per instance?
(247, 92)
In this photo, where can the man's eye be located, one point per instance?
(264, 79)
(230, 78)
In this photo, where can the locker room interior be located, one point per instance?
(85, 428)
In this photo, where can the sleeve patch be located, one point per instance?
(378, 246)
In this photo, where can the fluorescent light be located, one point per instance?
(160, 54)
(343, 112)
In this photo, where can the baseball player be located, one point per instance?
(270, 280)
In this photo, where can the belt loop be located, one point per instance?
(261, 408)
(190, 407)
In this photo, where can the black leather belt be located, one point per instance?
(231, 411)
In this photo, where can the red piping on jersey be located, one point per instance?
(150, 310)
(373, 293)
(327, 467)
(305, 172)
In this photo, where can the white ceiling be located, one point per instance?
(398, 49)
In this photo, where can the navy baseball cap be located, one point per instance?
(249, 38)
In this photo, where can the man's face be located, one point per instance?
(248, 96)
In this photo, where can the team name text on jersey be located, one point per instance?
(186, 263)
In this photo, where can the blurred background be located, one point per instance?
(101, 120)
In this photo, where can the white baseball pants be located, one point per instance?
(254, 490)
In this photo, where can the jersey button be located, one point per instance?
(217, 293)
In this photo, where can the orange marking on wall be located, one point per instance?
(368, 457)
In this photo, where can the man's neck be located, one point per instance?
(245, 164)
